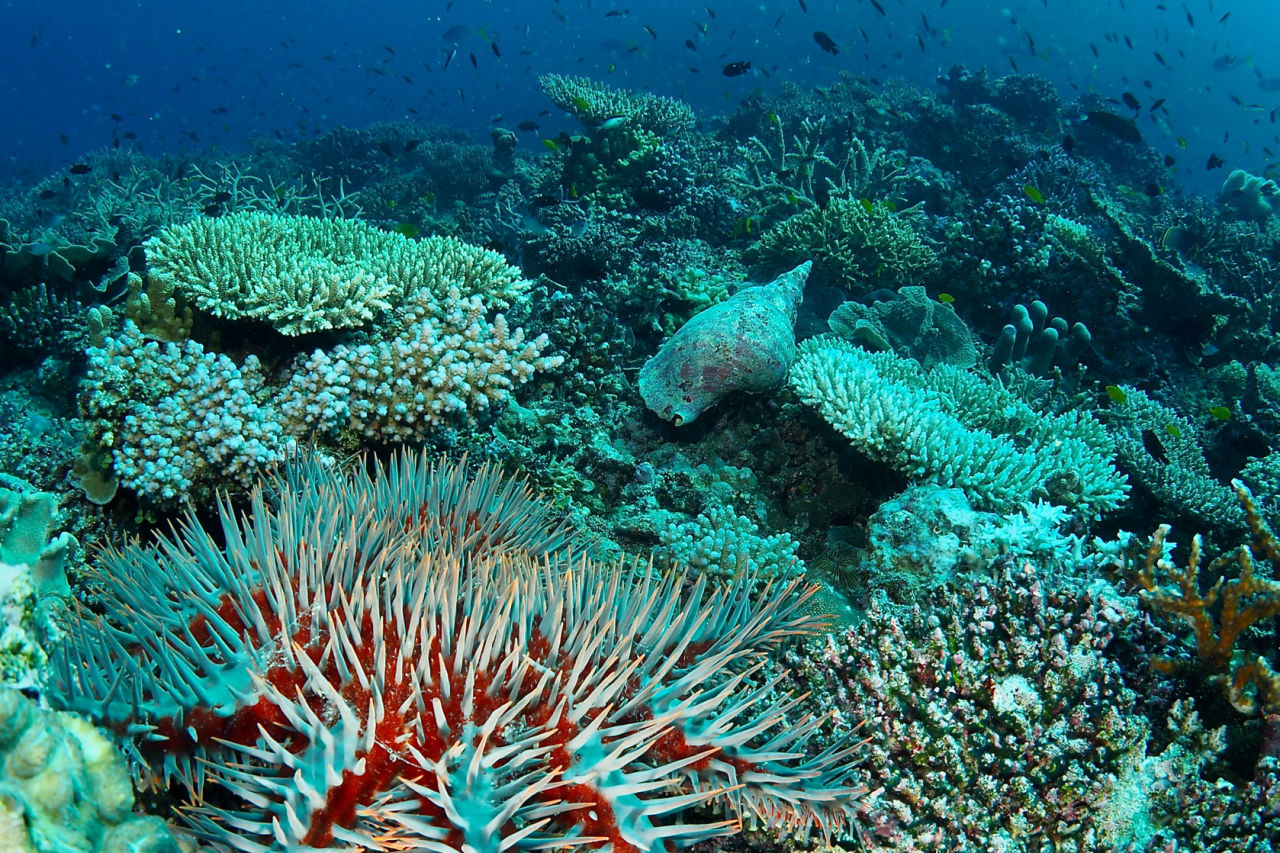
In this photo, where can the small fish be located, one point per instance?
(735, 69)
(868, 205)
(711, 13)
(1153, 189)
(448, 57)
(1222, 413)
(527, 126)
(406, 229)
(689, 44)
(946, 298)
(614, 122)
(1182, 142)
(80, 169)
(1116, 393)
(876, 5)
(1225, 62)
(1214, 162)
(825, 42)
(1269, 84)
(1160, 58)
(474, 63)
(1130, 101)
(615, 13)
(803, 7)
(1223, 19)
(1151, 444)
(494, 46)
(648, 29)
(411, 145)
(1155, 105)
(544, 200)
(1169, 160)
(551, 144)
(1033, 193)
(1173, 430)
(221, 197)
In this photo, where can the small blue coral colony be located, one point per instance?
(873, 467)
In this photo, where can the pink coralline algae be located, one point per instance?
(746, 343)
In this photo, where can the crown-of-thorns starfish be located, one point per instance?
(414, 658)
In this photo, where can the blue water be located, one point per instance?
(193, 77)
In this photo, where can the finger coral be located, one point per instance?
(416, 658)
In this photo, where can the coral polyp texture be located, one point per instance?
(415, 657)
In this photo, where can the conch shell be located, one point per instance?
(746, 343)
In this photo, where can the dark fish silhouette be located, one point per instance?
(1118, 126)
(734, 69)
(455, 34)
(825, 42)
(80, 169)
(1151, 444)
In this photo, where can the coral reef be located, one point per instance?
(595, 103)
(911, 325)
(1251, 681)
(993, 721)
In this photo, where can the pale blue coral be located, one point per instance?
(721, 542)
(960, 429)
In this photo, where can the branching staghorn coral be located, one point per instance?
(785, 176)
(1239, 603)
